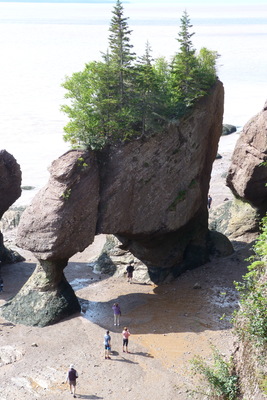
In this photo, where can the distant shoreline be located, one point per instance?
(60, 1)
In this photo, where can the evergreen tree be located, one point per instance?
(120, 97)
(147, 91)
(184, 68)
(192, 74)
(121, 50)
(207, 68)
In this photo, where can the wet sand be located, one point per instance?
(169, 325)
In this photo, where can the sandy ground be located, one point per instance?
(169, 325)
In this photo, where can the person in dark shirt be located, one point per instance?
(72, 375)
(107, 344)
(130, 270)
(209, 201)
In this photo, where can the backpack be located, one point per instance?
(72, 375)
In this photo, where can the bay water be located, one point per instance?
(41, 43)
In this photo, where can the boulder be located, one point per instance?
(228, 218)
(10, 182)
(10, 191)
(220, 245)
(150, 193)
(228, 129)
(247, 175)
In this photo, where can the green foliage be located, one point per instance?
(253, 295)
(66, 195)
(81, 163)
(85, 123)
(180, 197)
(263, 384)
(219, 378)
(192, 183)
(123, 96)
(192, 74)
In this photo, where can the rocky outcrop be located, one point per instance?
(59, 223)
(61, 220)
(247, 175)
(10, 183)
(151, 193)
(228, 129)
(228, 218)
(10, 191)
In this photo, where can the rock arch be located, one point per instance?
(151, 193)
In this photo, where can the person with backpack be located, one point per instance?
(72, 375)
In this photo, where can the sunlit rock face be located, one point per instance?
(151, 193)
(61, 220)
(10, 191)
(247, 175)
(10, 181)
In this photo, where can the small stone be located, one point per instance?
(197, 286)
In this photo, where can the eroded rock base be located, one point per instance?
(44, 299)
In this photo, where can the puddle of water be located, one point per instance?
(224, 297)
(78, 284)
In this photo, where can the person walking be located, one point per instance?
(125, 339)
(107, 344)
(209, 201)
(130, 270)
(72, 375)
(117, 313)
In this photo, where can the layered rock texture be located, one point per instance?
(151, 193)
(247, 175)
(10, 191)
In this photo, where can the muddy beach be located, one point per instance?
(169, 325)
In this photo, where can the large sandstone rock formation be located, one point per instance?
(151, 193)
(10, 191)
(247, 175)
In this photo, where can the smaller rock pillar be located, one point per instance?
(46, 298)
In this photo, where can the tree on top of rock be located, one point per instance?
(192, 74)
(120, 49)
(123, 97)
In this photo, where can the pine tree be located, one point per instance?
(192, 74)
(120, 97)
(151, 92)
(121, 50)
(184, 67)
